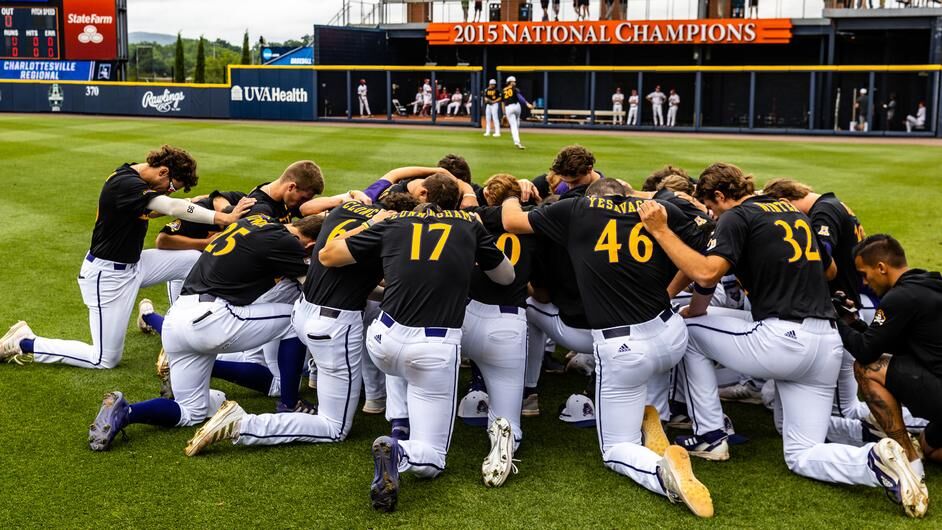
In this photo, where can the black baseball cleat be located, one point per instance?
(384, 491)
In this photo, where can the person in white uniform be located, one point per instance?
(618, 99)
(364, 99)
(673, 103)
(512, 99)
(633, 100)
(492, 97)
(917, 121)
(657, 99)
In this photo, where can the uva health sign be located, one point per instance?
(707, 31)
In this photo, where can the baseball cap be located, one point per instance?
(492, 82)
(579, 411)
(863, 90)
(473, 408)
(511, 79)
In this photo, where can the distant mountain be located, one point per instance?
(142, 36)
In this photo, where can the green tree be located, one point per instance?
(246, 56)
(199, 76)
(179, 67)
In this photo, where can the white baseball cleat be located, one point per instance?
(498, 464)
(496, 135)
(145, 307)
(745, 392)
(487, 134)
(531, 405)
(10, 350)
(903, 486)
(374, 406)
(680, 484)
(520, 146)
(224, 425)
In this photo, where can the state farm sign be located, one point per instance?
(90, 29)
(707, 31)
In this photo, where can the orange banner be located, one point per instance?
(706, 31)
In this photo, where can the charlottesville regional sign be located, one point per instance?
(707, 31)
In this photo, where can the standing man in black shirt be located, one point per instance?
(899, 355)
(116, 265)
(428, 260)
(790, 336)
(636, 332)
(217, 313)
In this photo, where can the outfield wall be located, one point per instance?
(744, 99)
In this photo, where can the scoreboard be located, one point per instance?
(29, 32)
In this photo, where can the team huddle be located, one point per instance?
(659, 294)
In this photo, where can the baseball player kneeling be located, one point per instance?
(216, 313)
(636, 332)
(427, 259)
(790, 335)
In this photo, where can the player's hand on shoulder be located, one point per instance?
(685, 312)
(653, 215)
(359, 196)
(528, 191)
(241, 208)
(382, 215)
(685, 196)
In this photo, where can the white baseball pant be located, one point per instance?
(492, 116)
(335, 338)
(617, 109)
(196, 331)
(374, 380)
(624, 361)
(543, 321)
(513, 118)
(110, 290)
(672, 116)
(495, 338)
(633, 115)
(658, 112)
(364, 103)
(803, 358)
(427, 359)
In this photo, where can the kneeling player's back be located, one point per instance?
(427, 263)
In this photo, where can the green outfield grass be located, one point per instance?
(51, 170)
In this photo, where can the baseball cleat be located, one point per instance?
(374, 406)
(384, 491)
(163, 373)
(581, 363)
(301, 406)
(531, 405)
(487, 134)
(520, 146)
(112, 418)
(312, 374)
(710, 446)
(680, 485)
(551, 365)
(652, 432)
(745, 392)
(145, 307)
(496, 135)
(10, 350)
(224, 425)
(903, 486)
(680, 421)
(499, 462)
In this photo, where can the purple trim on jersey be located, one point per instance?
(563, 187)
(522, 99)
(376, 189)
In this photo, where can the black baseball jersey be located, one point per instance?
(427, 262)
(342, 287)
(510, 95)
(519, 249)
(400, 187)
(908, 322)
(704, 222)
(838, 231)
(121, 222)
(621, 270)
(776, 258)
(247, 259)
(265, 205)
(492, 94)
(180, 227)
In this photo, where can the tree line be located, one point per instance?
(194, 60)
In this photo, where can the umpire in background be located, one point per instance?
(899, 356)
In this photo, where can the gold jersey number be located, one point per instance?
(640, 246)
